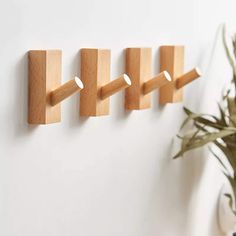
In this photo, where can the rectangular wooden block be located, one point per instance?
(44, 74)
(171, 60)
(138, 68)
(95, 73)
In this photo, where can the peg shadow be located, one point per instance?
(75, 119)
(20, 77)
(121, 112)
(156, 106)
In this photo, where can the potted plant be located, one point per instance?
(218, 131)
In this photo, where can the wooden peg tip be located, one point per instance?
(160, 80)
(167, 75)
(66, 90)
(198, 71)
(79, 82)
(114, 86)
(188, 78)
(127, 79)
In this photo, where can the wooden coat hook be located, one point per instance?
(172, 60)
(138, 67)
(95, 74)
(45, 89)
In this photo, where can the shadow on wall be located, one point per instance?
(206, 182)
(120, 112)
(175, 213)
(21, 126)
(155, 97)
(75, 120)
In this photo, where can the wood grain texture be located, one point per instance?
(171, 60)
(138, 68)
(115, 86)
(44, 74)
(187, 78)
(155, 83)
(95, 73)
(66, 90)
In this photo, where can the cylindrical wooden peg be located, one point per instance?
(65, 90)
(187, 78)
(114, 86)
(156, 82)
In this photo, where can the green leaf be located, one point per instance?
(232, 182)
(202, 140)
(222, 115)
(232, 110)
(201, 118)
(190, 116)
(227, 152)
(218, 159)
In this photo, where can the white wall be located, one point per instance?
(107, 176)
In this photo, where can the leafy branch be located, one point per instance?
(220, 130)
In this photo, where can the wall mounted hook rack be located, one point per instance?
(138, 67)
(45, 89)
(172, 60)
(95, 74)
